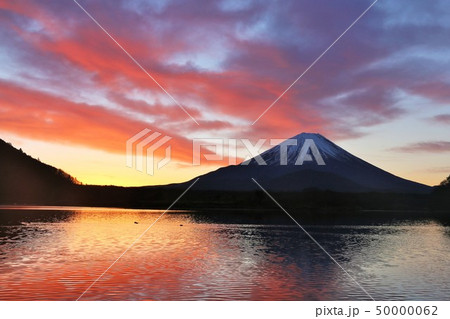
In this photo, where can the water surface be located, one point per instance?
(56, 253)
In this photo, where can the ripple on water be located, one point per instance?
(57, 259)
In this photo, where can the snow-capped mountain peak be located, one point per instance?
(292, 147)
(339, 171)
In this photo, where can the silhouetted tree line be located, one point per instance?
(445, 184)
(440, 198)
(24, 179)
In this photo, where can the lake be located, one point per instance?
(56, 253)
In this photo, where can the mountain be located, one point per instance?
(24, 179)
(341, 171)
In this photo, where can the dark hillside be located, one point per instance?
(26, 180)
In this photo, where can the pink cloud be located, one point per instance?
(442, 118)
(262, 50)
(432, 147)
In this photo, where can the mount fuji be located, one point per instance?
(340, 171)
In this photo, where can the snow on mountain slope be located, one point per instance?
(327, 149)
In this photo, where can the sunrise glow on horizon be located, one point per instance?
(72, 98)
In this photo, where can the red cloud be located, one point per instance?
(253, 74)
(42, 116)
(235, 93)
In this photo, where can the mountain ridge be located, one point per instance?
(340, 166)
(24, 180)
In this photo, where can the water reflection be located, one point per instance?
(56, 254)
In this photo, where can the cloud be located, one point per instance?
(38, 115)
(225, 64)
(431, 147)
(442, 119)
(438, 170)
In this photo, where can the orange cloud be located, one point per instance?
(38, 115)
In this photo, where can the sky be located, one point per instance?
(71, 96)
